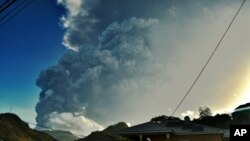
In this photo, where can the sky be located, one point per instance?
(30, 42)
(84, 64)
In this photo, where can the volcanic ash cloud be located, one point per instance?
(117, 60)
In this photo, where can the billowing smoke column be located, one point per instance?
(85, 81)
(110, 63)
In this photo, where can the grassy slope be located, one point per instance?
(107, 134)
(12, 128)
(62, 135)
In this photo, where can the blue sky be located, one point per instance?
(30, 42)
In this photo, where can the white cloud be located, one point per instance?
(65, 41)
(78, 125)
(49, 93)
(181, 47)
(73, 6)
(188, 113)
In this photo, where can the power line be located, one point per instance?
(40, 126)
(45, 127)
(204, 67)
(5, 5)
(48, 128)
(14, 9)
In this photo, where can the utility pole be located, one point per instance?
(10, 109)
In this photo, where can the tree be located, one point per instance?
(222, 121)
(163, 118)
(204, 112)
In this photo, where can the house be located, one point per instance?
(241, 114)
(173, 129)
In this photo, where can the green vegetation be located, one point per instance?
(107, 134)
(12, 128)
(222, 121)
(204, 112)
(61, 135)
(163, 118)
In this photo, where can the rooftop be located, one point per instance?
(177, 127)
(243, 107)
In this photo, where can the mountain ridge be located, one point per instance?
(12, 128)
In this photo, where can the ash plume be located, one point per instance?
(116, 61)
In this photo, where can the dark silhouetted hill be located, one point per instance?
(12, 128)
(62, 135)
(107, 134)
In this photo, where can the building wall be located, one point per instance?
(214, 137)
